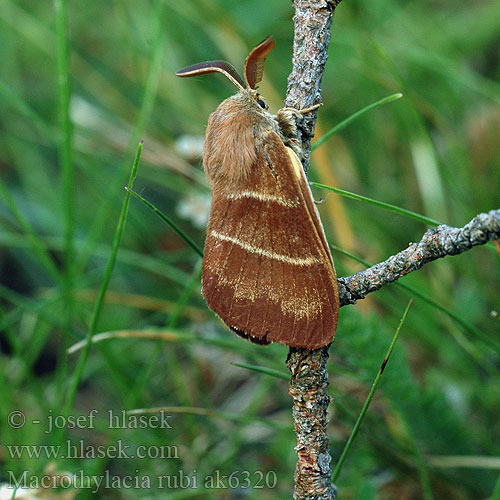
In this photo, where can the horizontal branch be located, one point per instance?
(436, 243)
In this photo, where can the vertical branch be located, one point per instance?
(312, 22)
(309, 376)
(308, 388)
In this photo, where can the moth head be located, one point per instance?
(253, 69)
(234, 129)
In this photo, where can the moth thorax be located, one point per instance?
(234, 139)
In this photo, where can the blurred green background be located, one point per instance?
(435, 151)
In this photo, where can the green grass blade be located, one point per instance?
(23, 304)
(468, 326)
(440, 169)
(387, 206)
(353, 117)
(14, 100)
(135, 259)
(33, 239)
(144, 375)
(192, 285)
(422, 469)
(371, 201)
(144, 112)
(207, 412)
(65, 137)
(65, 153)
(77, 375)
(263, 369)
(362, 414)
(496, 491)
(170, 222)
(148, 333)
(14, 493)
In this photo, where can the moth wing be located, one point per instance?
(309, 204)
(267, 270)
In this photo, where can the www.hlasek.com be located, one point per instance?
(243, 479)
(82, 451)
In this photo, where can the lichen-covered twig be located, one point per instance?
(435, 244)
(311, 39)
(308, 388)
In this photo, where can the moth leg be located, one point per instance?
(287, 119)
(310, 108)
(299, 112)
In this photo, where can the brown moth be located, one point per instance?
(267, 269)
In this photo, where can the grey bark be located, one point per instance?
(308, 389)
(312, 22)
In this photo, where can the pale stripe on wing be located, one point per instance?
(264, 197)
(310, 260)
